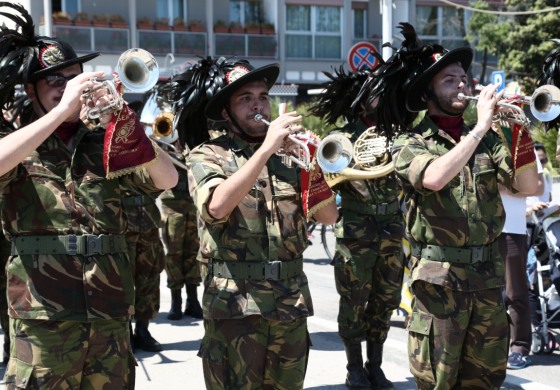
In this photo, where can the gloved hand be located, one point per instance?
(127, 148)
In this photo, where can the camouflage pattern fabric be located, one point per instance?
(180, 235)
(53, 192)
(57, 191)
(145, 250)
(245, 235)
(235, 353)
(368, 277)
(267, 225)
(369, 260)
(5, 249)
(457, 339)
(93, 355)
(468, 211)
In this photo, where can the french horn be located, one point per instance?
(369, 153)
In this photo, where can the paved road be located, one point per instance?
(178, 367)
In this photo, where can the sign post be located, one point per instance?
(360, 55)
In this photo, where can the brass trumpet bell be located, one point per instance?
(334, 153)
(158, 122)
(138, 70)
(545, 103)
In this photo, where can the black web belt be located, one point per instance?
(463, 255)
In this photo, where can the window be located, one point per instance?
(441, 25)
(244, 11)
(313, 32)
(360, 23)
(171, 9)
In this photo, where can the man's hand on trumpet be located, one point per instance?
(279, 130)
(486, 108)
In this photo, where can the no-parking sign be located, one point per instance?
(361, 55)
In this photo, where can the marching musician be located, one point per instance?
(70, 286)
(458, 329)
(251, 207)
(369, 261)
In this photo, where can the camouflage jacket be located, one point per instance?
(142, 212)
(468, 211)
(267, 225)
(360, 198)
(55, 191)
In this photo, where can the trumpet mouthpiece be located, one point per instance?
(259, 118)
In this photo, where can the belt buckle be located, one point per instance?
(72, 244)
(382, 208)
(477, 254)
(94, 245)
(272, 270)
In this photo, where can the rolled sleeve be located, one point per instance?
(412, 158)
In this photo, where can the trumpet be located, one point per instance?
(544, 103)
(301, 156)
(137, 70)
(157, 120)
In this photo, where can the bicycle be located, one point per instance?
(327, 237)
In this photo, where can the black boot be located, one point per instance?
(193, 308)
(373, 367)
(356, 377)
(176, 304)
(143, 339)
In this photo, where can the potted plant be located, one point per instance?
(101, 20)
(162, 24)
(267, 28)
(144, 23)
(235, 27)
(118, 21)
(220, 26)
(196, 25)
(252, 28)
(61, 18)
(179, 24)
(82, 19)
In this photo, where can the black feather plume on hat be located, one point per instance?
(550, 75)
(189, 93)
(17, 49)
(388, 83)
(338, 95)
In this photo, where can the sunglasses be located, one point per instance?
(58, 80)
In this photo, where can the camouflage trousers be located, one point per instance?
(70, 355)
(253, 353)
(147, 261)
(5, 250)
(457, 339)
(368, 278)
(180, 237)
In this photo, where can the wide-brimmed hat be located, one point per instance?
(53, 54)
(235, 79)
(433, 64)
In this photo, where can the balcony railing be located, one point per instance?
(161, 42)
(107, 40)
(246, 45)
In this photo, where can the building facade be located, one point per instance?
(305, 36)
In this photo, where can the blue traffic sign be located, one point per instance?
(499, 77)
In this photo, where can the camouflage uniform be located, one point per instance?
(369, 260)
(69, 279)
(246, 298)
(180, 237)
(458, 328)
(5, 249)
(146, 252)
